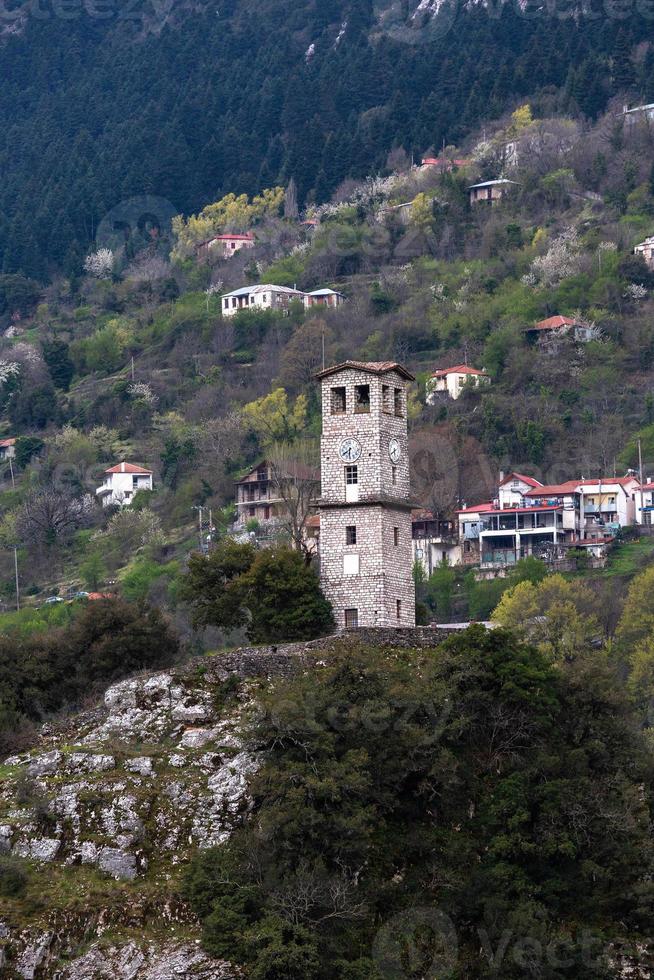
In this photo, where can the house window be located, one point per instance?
(338, 402)
(234, 303)
(362, 399)
(351, 534)
(398, 609)
(350, 564)
(397, 401)
(351, 475)
(386, 399)
(226, 304)
(266, 513)
(252, 511)
(351, 618)
(396, 536)
(394, 475)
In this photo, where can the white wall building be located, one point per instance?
(7, 449)
(453, 381)
(266, 297)
(121, 482)
(646, 249)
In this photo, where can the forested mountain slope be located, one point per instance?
(101, 102)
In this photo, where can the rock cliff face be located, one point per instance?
(106, 811)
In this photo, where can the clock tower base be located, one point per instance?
(369, 582)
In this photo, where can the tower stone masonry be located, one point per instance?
(365, 508)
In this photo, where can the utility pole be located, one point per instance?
(323, 348)
(16, 574)
(640, 479)
(13, 485)
(132, 367)
(199, 510)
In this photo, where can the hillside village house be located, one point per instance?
(528, 518)
(324, 297)
(224, 246)
(453, 381)
(267, 297)
(121, 482)
(490, 191)
(7, 449)
(444, 164)
(256, 498)
(259, 498)
(644, 503)
(646, 249)
(561, 326)
(639, 114)
(435, 541)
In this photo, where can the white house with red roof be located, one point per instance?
(224, 246)
(121, 482)
(452, 381)
(644, 503)
(529, 518)
(561, 326)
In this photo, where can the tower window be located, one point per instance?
(338, 402)
(397, 401)
(362, 399)
(351, 475)
(386, 399)
(394, 475)
(351, 534)
(398, 609)
(351, 618)
(396, 536)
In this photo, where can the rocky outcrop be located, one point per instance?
(170, 962)
(125, 792)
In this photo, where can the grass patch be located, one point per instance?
(628, 558)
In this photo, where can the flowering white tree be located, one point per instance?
(8, 370)
(142, 392)
(99, 264)
(561, 261)
(635, 291)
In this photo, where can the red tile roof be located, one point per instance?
(458, 369)
(129, 468)
(570, 486)
(6, 443)
(554, 323)
(370, 367)
(437, 161)
(249, 237)
(529, 480)
(479, 509)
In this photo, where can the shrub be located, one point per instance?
(13, 878)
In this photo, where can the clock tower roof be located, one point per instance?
(370, 367)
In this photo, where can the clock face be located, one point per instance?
(394, 450)
(349, 450)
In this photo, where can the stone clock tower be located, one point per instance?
(365, 509)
